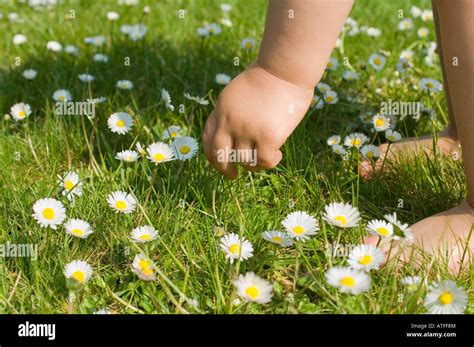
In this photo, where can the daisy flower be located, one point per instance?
(62, 95)
(277, 237)
(236, 248)
(332, 64)
(430, 85)
(222, 79)
(120, 122)
(366, 257)
(185, 147)
(405, 24)
(380, 228)
(380, 122)
(143, 267)
(403, 227)
(348, 280)
(213, 29)
(427, 15)
(197, 99)
(423, 32)
(330, 97)
(333, 140)
(30, 74)
(86, 78)
(317, 102)
(202, 32)
(144, 234)
(445, 298)
(78, 228)
(370, 152)
(392, 135)
(248, 43)
(49, 212)
(54, 46)
(377, 61)
(350, 75)
(160, 152)
(140, 149)
(338, 149)
(415, 11)
(323, 87)
(137, 32)
(19, 39)
(112, 16)
(355, 140)
(96, 41)
(124, 84)
(225, 7)
(78, 271)
(127, 156)
(251, 287)
(71, 49)
(374, 32)
(300, 225)
(171, 132)
(20, 111)
(165, 96)
(70, 185)
(102, 311)
(341, 215)
(412, 282)
(122, 202)
(101, 58)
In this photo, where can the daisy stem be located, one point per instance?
(152, 182)
(298, 250)
(385, 157)
(70, 302)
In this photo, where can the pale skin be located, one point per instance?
(263, 105)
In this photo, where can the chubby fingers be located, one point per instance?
(222, 144)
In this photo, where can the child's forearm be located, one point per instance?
(300, 36)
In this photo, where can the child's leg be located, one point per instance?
(450, 233)
(448, 141)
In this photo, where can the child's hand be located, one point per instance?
(257, 110)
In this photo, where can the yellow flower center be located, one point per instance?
(145, 267)
(429, 85)
(159, 157)
(365, 260)
(382, 231)
(173, 134)
(347, 282)
(391, 138)
(48, 213)
(121, 205)
(22, 114)
(377, 61)
(120, 123)
(369, 154)
(341, 219)
(234, 249)
(379, 122)
(62, 97)
(252, 292)
(77, 232)
(129, 158)
(277, 239)
(248, 45)
(185, 149)
(298, 230)
(445, 298)
(330, 65)
(68, 184)
(356, 142)
(145, 237)
(329, 98)
(79, 276)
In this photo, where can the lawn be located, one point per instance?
(189, 204)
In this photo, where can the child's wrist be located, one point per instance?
(294, 81)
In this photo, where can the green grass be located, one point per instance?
(187, 253)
